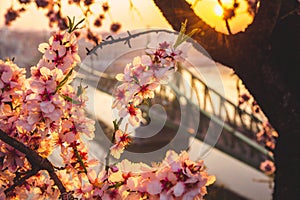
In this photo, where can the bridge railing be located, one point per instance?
(209, 100)
(239, 123)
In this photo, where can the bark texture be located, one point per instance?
(266, 57)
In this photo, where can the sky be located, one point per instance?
(145, 14)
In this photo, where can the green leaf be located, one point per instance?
(63, 82)
(136, 79)
(72, 25)
(67, 98)
(76, 26)
(80, 160)
(182, 36)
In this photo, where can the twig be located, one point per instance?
(37, 162)
(116, 127)
(126, 40)
(294, 11)
(20, 181)
(228, 27)
(226, 20)
(80, 160)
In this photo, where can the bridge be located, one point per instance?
(220, 122)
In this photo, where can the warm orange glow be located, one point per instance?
(146, 15)
(211, 13)
(227, 3)
(218, 10)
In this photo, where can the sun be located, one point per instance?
(218, 10)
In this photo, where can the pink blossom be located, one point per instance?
(121, 141)
(47, 106)
(61, 51)
(135, 114)
(147, 91)
(161, 73)
(2, 194)
(13, 158)
(267, 135)
(154, 187)
(111, 194)
(178, 189)
(123, 94)
(133, 183)
(268, 167)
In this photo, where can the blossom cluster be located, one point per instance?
(268, 137)
(43, 112)
(177, 177)
(267, 134)
(138, 83)
(141, 78)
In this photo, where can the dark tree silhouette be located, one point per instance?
(265, 57)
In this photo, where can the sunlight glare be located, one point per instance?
(227, 3)
(211, 12)
(218, 10)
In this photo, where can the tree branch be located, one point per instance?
(264, 21)
(21, 180)
(226, 20)
(37, 162)
(116, 127)
(110, 40)
(224, 48)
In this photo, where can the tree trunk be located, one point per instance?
(265, 58)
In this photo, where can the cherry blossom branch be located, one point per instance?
(80, 160)
(126, 40)
(21, 180)
(37, 162)
(116, 127)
